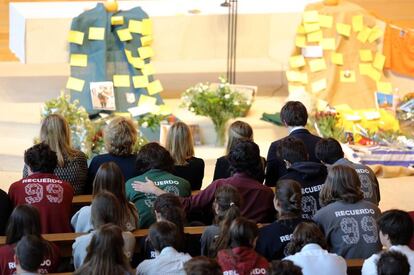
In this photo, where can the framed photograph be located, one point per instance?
(102, 94)
(384, 101)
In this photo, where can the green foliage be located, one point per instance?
(327, 125)
(151, 120)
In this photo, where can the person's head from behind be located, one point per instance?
(238, 130)
(167, 207)
(24, 220)
(292, 150)
(306, 233)
(180, 143)
(293, 114)
(40, 159)
(56, 133)
(105, 208)
(328, 150)
(120, 136)
(163, 234)
(393, 263)
(285, 267)
(227, 201)
(154, 156)
(202, 265)
(109, 178)
(396, 228)
(29, 254)
(288, 198)
(244, 157)
(242, 232)
(341, 184)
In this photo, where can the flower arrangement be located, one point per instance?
(219, 103)
(326, 124)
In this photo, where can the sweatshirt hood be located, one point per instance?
(241, 259)
(309, 169)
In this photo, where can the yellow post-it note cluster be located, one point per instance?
(154, 87)
(135, 26)
(379, 61)
(375, 34)
(76, 37)
(79, 60)
(357, 23)
(117, 20)
(364, 34)
(319, 85)
(347, 76)
(365, 55)
(311, 27)
(343, 29)
(297, 61)
(300, 41)
(148, 69)
(315, 36)
(75, 84)
(124, 35)
(145, 52)
(146, 26)
(325, 21)
(328, 44)
(337, 58)
(295, 76)
(146, 100)
(146, 40)
(310, 16)
(385, 87)
(121, 81)
(96, 33)
(317, 65)
(140, 81)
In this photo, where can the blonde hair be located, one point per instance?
(180, 143)
(120, 136)
(238, 130)
(55, 132)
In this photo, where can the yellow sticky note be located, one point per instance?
(164, 110)
(317, 65)
(128, 55)
(146, 40)
(295, 76)
(347, 76)
(121, 80)
(385, 87)
(310, 16)
(357, 23)
(297, 61)
(375, 34)
(364, 69)
(117, 20)
(79, 60)
(135, 26)
(76, 37)
(148, 69)
(328, 43)
(325, 21)
(140, 81)
(364, 34)
(146, 26)
(296, 89)
(314, 36)
(155, 87)
(145, 52)
(137, 62)
(300, 41)
(146, 100)
(75, 84)
(96, 33)
(365, 55)
(319, 85)
(337, 58)
(374, 74)
(379, 61)
(124, 35)
(301, 30)
(343, 29)
(311, 27)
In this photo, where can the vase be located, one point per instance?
(220, 129)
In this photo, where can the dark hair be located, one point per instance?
(292, 149)
(341, 184)
(163, 234)
(393, 263)
(154, 156)
(109, 178)
(202, 265)
(288, 193)
(170, 208)
(328, 150)
(294, 113)
(285, 267)
(105, 255)
(244, 157)
(398, 225)
(30, 251)
(40, 158)
(305, 233)
(24, 220)
(242, 232)
(105, 208)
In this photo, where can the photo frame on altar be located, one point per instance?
(384, 101)
(103, 96)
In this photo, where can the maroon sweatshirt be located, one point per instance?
(241, 261)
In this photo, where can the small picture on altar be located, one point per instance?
(384, 101)
(349, 137)
(102, 94)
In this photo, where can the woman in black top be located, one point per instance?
(181, 147)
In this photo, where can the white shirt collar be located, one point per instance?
(294, 128)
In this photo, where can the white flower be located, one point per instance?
(144, 124)
(236, 103)
(227, 96)
(192, 109)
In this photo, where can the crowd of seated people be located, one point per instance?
(322, 211)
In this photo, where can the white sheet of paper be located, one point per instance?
(312, 51)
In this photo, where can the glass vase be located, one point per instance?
(220, 129)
